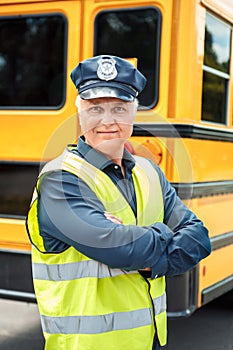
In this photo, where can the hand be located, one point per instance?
(113, 218)
(116, 220)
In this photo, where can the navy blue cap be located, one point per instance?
(107, 76)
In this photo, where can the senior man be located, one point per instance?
(107, 227)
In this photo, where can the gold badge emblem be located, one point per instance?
(106, 69)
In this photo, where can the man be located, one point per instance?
(106, 227)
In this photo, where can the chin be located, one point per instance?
(111, 146)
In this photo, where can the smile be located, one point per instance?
(107, 132)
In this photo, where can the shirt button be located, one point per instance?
(115, 166)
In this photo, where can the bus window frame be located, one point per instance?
(65, 51)
(220, 74)
(157, 56)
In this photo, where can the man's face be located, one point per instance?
(106, 119)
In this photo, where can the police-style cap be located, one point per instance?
(107, 76)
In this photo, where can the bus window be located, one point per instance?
(133, 33)
(17, 181)
(36, 59)
(216, 70)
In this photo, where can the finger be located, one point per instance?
(112, 218)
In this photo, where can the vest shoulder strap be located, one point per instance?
(145, 178)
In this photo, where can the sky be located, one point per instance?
(221, 33)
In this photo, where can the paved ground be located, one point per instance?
(19, 326)
(210, 328)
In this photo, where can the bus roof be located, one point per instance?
(8, 2)
(223, 8)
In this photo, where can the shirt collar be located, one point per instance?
(98, 159)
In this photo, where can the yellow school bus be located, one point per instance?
(184, 122)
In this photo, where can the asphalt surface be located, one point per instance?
(19, 326)
(209, 328)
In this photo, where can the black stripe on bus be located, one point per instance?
(203, 189)
(216, 290)
(177, 287)
(222, 240)
(16, 283)
(17, 181)
(184, 131)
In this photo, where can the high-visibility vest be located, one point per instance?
(84, 304)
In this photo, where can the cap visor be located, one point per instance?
(99, 92)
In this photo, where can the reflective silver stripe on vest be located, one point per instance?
(71, 271)
(96, 324)
(160, 304)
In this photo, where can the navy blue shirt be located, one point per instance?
(70, 214)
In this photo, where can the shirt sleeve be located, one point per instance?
(71, 215)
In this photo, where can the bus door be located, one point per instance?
(39, 46)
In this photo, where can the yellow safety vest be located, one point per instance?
(84, 304)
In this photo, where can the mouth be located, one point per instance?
(107, 132)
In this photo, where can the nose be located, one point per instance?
(107, 118)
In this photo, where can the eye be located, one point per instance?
(95, 110)
(119, 109)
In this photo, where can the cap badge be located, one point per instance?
(106, 69)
